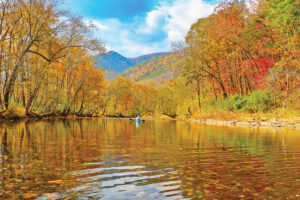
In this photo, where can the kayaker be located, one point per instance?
(138, 119)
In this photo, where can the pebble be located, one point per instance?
(251, 122)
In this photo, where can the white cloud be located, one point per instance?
(134, 49)
(171, 20)
(97, 24)
(182, 14)
(153, 18)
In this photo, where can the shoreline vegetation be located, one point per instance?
(249, 121)
(239, 65)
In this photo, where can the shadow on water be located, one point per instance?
(116, 159)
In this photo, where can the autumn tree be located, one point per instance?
(281, 20)
(36, 37)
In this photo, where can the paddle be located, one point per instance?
(142, 120)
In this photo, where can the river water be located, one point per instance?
(116, 159)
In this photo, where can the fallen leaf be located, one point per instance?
(56, 182)
(30, 196)
(51, 195)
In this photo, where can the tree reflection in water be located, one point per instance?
(101, 158)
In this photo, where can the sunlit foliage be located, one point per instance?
(45, 61)
(240, 58)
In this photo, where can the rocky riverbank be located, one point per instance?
(251, 122)
(262, 122)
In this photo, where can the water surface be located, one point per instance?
(115, 159)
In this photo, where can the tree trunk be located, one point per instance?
(37, 87)
(13, 77)
(198, 94)
(223, 89)
(287, 90)
(68, 108)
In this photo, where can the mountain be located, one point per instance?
(114, 63)
(158, 69)
(140, 59)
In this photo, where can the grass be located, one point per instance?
(14, 111)
(257, 105)
(245, 116)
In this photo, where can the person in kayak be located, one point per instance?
(138, 119)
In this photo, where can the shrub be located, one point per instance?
(257, 101)
(16, 109)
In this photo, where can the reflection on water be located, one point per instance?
(137, 124)
(115, 159)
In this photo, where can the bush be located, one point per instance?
(16, 109)
(257, 101)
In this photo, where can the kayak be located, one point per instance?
(138, 120)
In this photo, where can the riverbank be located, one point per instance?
(238, 120)
(278, 123)
(6, 116)
(268, 123)
(271, 120)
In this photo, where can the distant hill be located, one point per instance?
(114, 63)
(156, 70)
(140, 59)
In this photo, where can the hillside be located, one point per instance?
(114, 63)
(140, 59)
(157, 69)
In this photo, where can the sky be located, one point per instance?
(139, 27)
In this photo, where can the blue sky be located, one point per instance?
(138, 27)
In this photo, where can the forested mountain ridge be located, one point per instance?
(158, 69)
(142, 58)
(114, 63)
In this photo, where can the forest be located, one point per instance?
(242, 59)
(45, 60)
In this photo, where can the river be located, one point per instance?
(116, 159)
